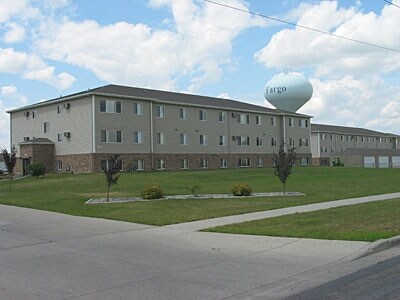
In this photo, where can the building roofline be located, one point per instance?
(347, 130)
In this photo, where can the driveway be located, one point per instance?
(46, 255)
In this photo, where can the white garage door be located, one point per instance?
(369, 161)
(383, 161)
(396, 161)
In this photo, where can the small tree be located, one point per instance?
(37, 169)
(283, 163)
(112, 172)
(10, 160)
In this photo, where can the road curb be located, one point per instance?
(378, 246)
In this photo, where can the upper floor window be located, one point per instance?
(243, 140)
(290, 122)
(59, 109)
(138, 137)
(160, 138)
(222, 116)
(222, 140)
(274, 142)
(183, 113)
(160, 111)
(202, 115)
(303, 142)
(303, 123)
(183, 139)
(110, 106)
(259, 141)
(273, 121)
(291, 142)
(138, 108)
(258, 120)
(46, 127)
(243, 118)
(111, 136)
(203, 139)
(34, 113)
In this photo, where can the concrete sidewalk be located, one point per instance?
(203, 224)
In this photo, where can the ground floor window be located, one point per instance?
(137, 165)
(260, 162)
(161, 164)
(59, 165)
(105, 164)
(223, 163)
(244, 162)
(184, 164)
(204, 163)
(303, 161)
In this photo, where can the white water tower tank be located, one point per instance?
(288, 91)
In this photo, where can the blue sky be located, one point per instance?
(57, 47)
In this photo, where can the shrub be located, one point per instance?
(152, 192)
(194, 189)
(241, 190)
(37, 169)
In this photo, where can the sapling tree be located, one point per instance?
(112, 172)
(10, 160)
(283, 163)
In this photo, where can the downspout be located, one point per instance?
(284, 133)
(93, 131)
(228, 117)
(151, 135)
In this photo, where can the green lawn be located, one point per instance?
(67, 193)
(362, 222)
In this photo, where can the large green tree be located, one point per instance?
(10, 160)
(283, 163)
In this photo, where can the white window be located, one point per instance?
(183, 113)
(59, 109)
(138, 165)
(46, 127)
(243, 140)
(273, 142)
(204, 163)
(59, 137)
(160, 111)
(291, 142)
(34, 113)
(223, 163)
(259, 141)
(304, 161)
(184, 164)
(137, 108)
(290, 122)
(303, 142)
(105, 164)
(110, 106)
(244, 162)
(243, 118)
(222, 140)
(59, 165)
(111, 136)
(260, 162)
(273, 121)
(160, 136)
(203, 139)
(258, 120)
(183, 139)
(222, 116)
(160, 164)
(203, 115)
(138, 137)
(303, 123)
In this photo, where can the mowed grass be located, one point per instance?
(362, 222)
(67, 193)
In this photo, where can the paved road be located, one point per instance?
(379, 281)
(46, 255)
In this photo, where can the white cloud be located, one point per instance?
(330, 56)
(198, 45)
(16, 8)
(16, 33)
(30, 66)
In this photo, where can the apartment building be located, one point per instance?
(153, 130)
(354, 147)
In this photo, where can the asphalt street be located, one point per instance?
(46, 255)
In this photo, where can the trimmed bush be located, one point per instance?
(241, 189)
(37, 169)
(152, 192)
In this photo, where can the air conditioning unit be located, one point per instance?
(67, 105)
(234, 137)
(233, 114)
(67, 134)
(26, 113)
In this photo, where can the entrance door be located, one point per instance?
(26, 162)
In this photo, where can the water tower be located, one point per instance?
(288, 91)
